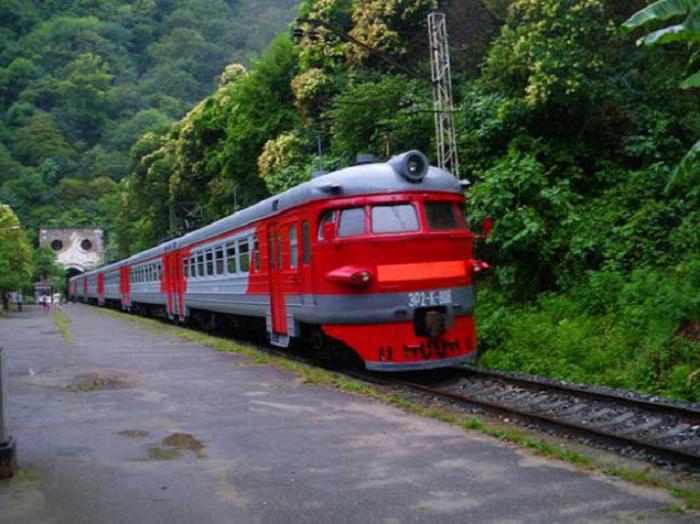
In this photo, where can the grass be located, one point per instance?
(62, 324)
(316, 376)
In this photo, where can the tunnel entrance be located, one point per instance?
(70, 273)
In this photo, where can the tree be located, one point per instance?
(46, 268)
(40, 138)
(15, 253)
(687, 31)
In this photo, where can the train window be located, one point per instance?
(256, 254)
(441, 215)
(186, 267)
(280, 254)
(293, 247)
(305, 243)
(244, 255)
(352, 222)
(220, 260)
(394, 219)
(200, 264)
(328, 216)
(159, 271)
(210, 262)
(231, 257)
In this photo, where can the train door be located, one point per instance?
(278, 309)
(125, 286)
(172, 283)
(179, 284)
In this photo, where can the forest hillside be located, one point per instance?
(81, 80)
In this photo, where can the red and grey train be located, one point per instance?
(375, 257)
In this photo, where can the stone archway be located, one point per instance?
(72, 271)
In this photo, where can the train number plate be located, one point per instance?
(441, 297)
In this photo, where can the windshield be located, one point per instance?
(441, 215)
(394, 218)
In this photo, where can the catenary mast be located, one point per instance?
(445, 134)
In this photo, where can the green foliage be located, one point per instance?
(687, 31)
(366, 117)
(620, 330)
(46, 268)
(549, 50)
(15, 253)
(81, 81)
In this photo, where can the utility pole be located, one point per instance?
(441, 76)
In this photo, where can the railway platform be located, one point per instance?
(125, 425)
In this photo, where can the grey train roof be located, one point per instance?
(365, 179)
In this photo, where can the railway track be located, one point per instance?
(664, 432)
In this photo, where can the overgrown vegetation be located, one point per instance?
(63, 325)
(81, 81)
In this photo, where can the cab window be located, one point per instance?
(327, 217)
(394, 218)
(352, 222)
(441, 215)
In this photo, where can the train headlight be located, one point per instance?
(361, 278)
(350, 276)
(412, 165)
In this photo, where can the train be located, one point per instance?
(373, 260)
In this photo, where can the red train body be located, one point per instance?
(376, 257)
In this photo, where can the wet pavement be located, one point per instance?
(125, 425)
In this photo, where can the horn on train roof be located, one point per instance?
(412, 165)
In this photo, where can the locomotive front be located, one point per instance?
(395, 267)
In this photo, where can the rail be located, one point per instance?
(664, 431)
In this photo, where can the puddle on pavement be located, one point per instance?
(172, 446)
(133, 433)
(94, 382)
(158, 453)
(184, 442)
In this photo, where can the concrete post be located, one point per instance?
(8, 454)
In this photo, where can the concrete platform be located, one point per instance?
(127, 426)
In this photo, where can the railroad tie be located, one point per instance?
(615, 421)
(672, 432)
(641, 427)
(574, 409)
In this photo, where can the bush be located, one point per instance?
(626, 331)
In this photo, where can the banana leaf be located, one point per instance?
(661, 10)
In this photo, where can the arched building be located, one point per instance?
(77, 249)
